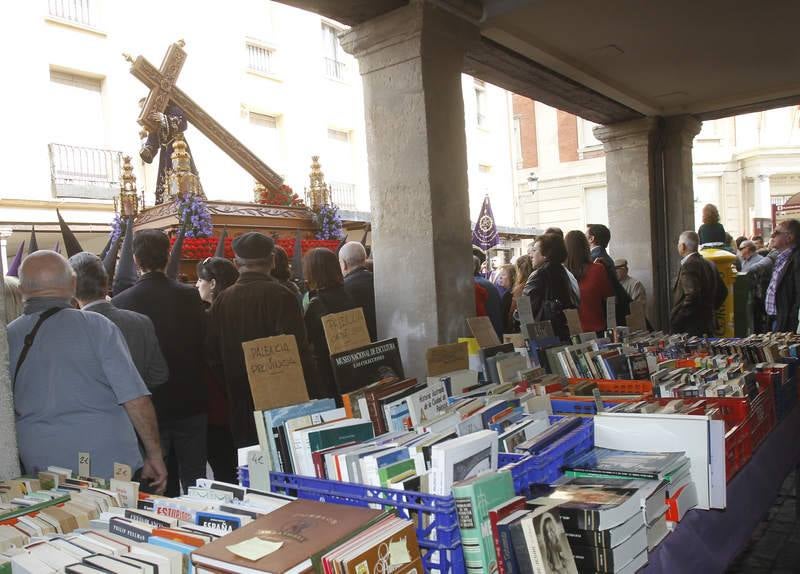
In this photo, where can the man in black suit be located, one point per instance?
(359, 283)
(697, 290)
(177, 315)
(138, 330)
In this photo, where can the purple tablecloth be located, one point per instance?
(708, 541)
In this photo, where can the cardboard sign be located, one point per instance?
(611, 312)
(84, 464)
(573, 321)
(275, 372)
(525, 310)
(447, 358)
(122, 472)
(345, 331)
(516, 339)
(636, 320)
(483, 331)
(538, 330)
(258, 468)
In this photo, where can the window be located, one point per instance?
(264, 138)
(75, 106)
(78, 11)
(706, 190)
(481, 107)
(260, 58)
(517, 143)
(335, 66)
(586, 134)
(708, 130)
(596, 205)
(337, 164)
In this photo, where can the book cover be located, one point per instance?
(365, 365)
(497, 514)
(648, 465)
(474, 498)
(553, 433)
(462, 458)
(547, 542)
(304, 528)
(351, 430)
(390, 471)
(373, 395)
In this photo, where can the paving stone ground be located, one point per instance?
(775, 545)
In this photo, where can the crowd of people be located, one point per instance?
(155, 377)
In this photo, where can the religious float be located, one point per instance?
(296, 224)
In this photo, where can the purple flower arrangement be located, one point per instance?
(199, 216)
(117, 227)
(329, 224)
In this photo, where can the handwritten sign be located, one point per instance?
(447, 358)
(84, 464)
(122, 471)
(258, 469)
(573, 321)
(483, 331)
(525, 310)
(275, 372)
(346, 331)
(538, 330)
(636, 320)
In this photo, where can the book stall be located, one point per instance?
(633, 452)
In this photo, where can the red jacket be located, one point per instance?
(481, 297)
(595, 288)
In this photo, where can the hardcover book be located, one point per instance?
(365, 365)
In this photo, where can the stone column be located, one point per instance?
(411, 61)
(9, 459)
(650, 199)
(763, 200)
(677, 137)
(632, 213)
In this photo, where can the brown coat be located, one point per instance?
(693, 297)
(255, 306)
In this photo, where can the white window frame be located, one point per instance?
(583, 145)
(273, 58)
(516, 142)
(335, 66)
(481, 116)
(93, 8)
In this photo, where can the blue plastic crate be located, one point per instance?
(437, 522)
(243, 474)
(567, 406)
(545, 467)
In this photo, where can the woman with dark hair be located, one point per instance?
(506, 279)
(282, 273)
(214, 275)
(324, 276)
(592, 279)
(548, 286)
(523, 267)
(711, 231)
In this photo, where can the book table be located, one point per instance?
(709, 540)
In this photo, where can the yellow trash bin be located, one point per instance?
(724, 261)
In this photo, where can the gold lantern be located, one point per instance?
(128, 197)
(318, 192)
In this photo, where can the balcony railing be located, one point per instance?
(343, 195)
(78, 11)
(335, 69)
(84, 172)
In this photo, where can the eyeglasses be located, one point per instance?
(777, 232)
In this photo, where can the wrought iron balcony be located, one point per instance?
(335, 69)
(78, 11)
(343, 195)
(84, 172)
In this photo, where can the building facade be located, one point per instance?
(274, 76)
(743, 164)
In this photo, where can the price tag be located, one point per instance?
(84, 464)
(258, 469)
(122, 471)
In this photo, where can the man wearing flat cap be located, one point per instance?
(255, 306)
(632, 286)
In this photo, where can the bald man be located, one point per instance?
(75, 386)
(358, 282)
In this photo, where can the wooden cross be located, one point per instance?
(163, 90)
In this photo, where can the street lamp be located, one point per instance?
(533, 182)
